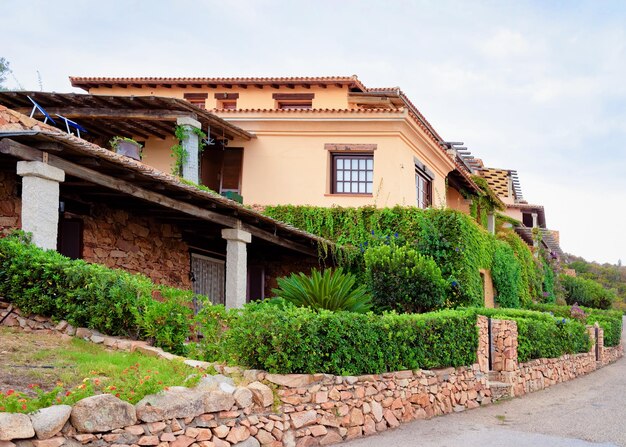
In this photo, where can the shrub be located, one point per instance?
(586, 292)
(609, 320)
(114, 302)
(506, 275)
(403, 280)
(331, 290)
(289, 339)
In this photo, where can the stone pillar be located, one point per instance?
(191, 145)
(236, 266)
(491, 223)
(40, 201)
(535, 220)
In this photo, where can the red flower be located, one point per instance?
(117, 395)
(68, 393)
(23, 406)
(10, 392)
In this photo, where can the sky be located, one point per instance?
(536, 86)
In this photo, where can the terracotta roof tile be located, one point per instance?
(82, 81)
(311, 111)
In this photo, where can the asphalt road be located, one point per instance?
(587, 411)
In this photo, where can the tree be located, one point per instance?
(4, 71)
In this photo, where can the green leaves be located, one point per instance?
(586, 292)
(403, 280)
(114, 302)
(506, 274)
(332, 290)
(289, 339)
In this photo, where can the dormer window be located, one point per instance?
(226, 101)
(293, 101)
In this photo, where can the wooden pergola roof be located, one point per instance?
(99, 172)
(107, 116)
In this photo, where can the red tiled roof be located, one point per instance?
(86, 82)
(309, 111)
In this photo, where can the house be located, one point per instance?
(527, 217)
(316, 141)
(88, 202)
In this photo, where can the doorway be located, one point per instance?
(208, 277)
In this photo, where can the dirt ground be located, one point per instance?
(29, 358)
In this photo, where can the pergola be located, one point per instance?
(107, 116)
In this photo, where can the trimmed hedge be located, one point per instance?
(114, 302)
(609, 320)
(282, 338)
(541, 335)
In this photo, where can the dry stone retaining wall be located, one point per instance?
(296, 410)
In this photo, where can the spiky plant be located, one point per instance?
(332, 290)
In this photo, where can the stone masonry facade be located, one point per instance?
(120, 239)
(249, 408)
(10, 203)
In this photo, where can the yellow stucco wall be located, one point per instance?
(456, 201)
(287, 162)
(332, 97)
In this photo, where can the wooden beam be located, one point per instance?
(114, 114)
(24, 152)
(267, 236)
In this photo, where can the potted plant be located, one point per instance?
(126, 146)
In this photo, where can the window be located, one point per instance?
(294, 101)
(226, 101)
(227, 105)
(423, 184)
(197, 99)
(353, 173)
(296, 105)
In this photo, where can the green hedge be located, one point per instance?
(289, 339)
(114, 302)
(586, 292)
(541, 335)
(609, 320)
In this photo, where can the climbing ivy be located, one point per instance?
(459, 246)
(178, 152)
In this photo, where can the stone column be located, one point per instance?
(40, 201)
(491, 223)
(535, 220)
(191, 145)
(236, 266)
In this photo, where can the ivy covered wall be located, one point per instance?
(455, 241)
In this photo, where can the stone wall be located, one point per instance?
(10, 203)
(252, 407)
(120, 239)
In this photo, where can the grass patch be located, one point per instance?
(37, 371)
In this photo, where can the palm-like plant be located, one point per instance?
(332, 290)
